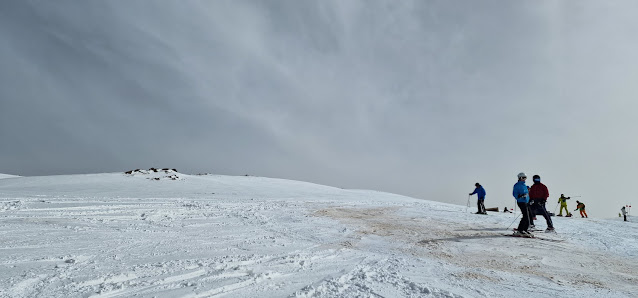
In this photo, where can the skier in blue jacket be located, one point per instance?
(521, 194)
(480, 192)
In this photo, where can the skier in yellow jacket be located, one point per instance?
(563, 204)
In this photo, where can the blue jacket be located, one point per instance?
(480, 191)
(520, 192)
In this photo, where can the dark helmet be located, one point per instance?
(477, 184)
(536, 177)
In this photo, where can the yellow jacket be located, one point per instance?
(563, 200)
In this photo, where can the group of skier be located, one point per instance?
(563, 205)
(531, 201)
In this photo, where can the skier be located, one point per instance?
(624, 212)
(480, 192)
(521, 194)
(538, 195)
(581, 207)
(563, 204)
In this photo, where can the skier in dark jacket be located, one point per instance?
(480, 192)
(538, 195)
(581, 207)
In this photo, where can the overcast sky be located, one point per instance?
(421, 98)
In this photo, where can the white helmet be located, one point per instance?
(521, 175)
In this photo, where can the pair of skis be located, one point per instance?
(536, 230)
(534, 236)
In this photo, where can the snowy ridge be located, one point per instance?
(4, 176)
(123, 235)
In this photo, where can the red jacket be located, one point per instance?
(538, 192)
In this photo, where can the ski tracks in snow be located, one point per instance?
(373, 278)
(101, 247)
(251, 247)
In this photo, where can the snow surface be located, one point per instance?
(169, 234)
(4, 176)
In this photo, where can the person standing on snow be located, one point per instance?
(563, 204)
(624, 212)
(480, 192)
(538, 195)
(521, 194)
(581, 207)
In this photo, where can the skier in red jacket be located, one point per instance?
(538, 195)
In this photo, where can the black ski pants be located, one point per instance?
(539, 208)
(524, 224)
(481, 206)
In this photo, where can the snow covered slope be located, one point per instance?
(170, 234)
(4, 176)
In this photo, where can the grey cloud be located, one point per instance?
(414, 97)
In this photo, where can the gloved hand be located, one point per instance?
(531, 202)
(470, 193)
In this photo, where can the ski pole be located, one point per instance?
(468, 203)
(556, 208)
(508, 227)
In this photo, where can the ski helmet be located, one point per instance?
(477, 184)
(537, 178)
(521, 175)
